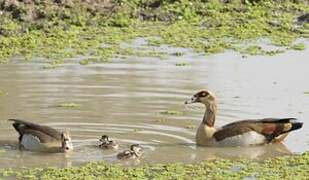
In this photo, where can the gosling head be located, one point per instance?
(106, 143)
(204, 97)
(137, 150)
(66, 142)
(104, 138)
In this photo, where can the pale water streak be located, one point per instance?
(125, 99)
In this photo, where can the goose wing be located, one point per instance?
(270, 128)
(44, 133)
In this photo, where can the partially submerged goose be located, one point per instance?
(135, 152)
(36, 137)
(240, 133)
(106, 143)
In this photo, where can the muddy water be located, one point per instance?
(125, 99)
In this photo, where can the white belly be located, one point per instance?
(246, 139)
(33, 143)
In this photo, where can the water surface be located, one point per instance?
(125, 99)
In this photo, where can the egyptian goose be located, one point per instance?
(135, 152)
(36, 137)
(240, 133)
(106, 143)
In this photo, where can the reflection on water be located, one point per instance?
(124, 99)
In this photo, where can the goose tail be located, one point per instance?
(296, 125)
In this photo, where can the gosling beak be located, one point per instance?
(192, 100)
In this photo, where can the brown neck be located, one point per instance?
(210, 115)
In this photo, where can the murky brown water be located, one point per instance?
(124, 99)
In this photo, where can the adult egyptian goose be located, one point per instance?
(36, 137)
(135, 152)
(106, 143)
(240, 133)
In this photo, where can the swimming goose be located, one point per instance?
(135, 152)
(36, 137)
(240, 133)
(106, 143)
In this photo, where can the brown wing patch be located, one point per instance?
(44, 138)
(269, 128)
(273, 129)
(231, 131)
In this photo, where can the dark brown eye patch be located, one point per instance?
(202, 94)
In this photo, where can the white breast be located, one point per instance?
(246, 139)
(204, 135)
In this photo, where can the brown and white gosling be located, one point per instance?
(240, 133)
(135, 152)
(41, 138)
(106, 143)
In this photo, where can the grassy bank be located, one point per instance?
(290, 167)
(58, 30)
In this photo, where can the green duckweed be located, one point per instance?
(69, 105)
(287, 167)
(171, 112)
(69, 30)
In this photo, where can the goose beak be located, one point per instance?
(192, 100)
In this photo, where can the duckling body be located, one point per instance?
(36, 137)
(106, 143)
(239, 133)
(135, 152)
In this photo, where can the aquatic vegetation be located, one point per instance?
(171, 112)
(3, 93)
(288, 167)
(191, 126)
(136, 130)
(98, 29)
(91, 60)
(178, 54)
(161, 120)
(2, 151)
(182, 64)
(54, 64)
(298, 47)
(69, 105)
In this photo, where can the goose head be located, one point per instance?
(66, 142)
(137, 150)
(205, 97)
